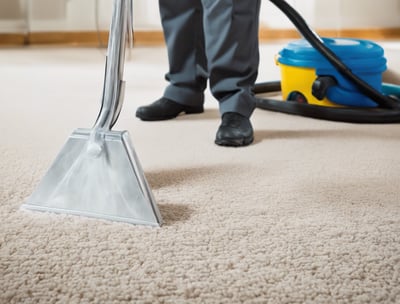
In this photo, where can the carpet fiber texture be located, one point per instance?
(309, 213)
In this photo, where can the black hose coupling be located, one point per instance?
(321, 85)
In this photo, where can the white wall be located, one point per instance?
(12, 14)
(70, 15)
(357, 13)
(146, 14)
(75, 15)
(337, 14)
(55, 15)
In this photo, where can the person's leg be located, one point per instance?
(231, 35)
(182, 22)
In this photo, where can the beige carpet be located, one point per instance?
(310, 213)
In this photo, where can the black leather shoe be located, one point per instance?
(164, 109)
(234, 131)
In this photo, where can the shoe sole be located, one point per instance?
(153, 118)
(167, 117)
(234, 142)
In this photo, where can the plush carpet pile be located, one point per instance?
(309, 213)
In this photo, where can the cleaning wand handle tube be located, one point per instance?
(113, 91)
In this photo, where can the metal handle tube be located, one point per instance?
(113, 84)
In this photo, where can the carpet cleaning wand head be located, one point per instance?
(97, 173)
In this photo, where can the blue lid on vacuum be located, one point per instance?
(364, 58)
(361, 55)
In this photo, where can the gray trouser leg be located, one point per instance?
(226, 33)
(182, 22)
(231, 35)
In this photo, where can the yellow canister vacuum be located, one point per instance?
(335, 79)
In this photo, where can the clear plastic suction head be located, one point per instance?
(97, 179)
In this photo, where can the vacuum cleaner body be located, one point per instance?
(308, 77)
(331, 79)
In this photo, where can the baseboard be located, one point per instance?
(155, 37)
(12, 39)
(68, 38)
(267, 34)
(87, 38)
